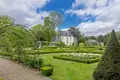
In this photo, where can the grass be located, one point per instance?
(68, 70)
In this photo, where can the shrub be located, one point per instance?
(6, 55)
(100, 48)
(47, 71)
(82, 45)
(15, 58)
(60, 44)
(33, 62)
(109, 65)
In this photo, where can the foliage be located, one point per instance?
(50, 24)
(19, 47)
(33, 62)
(6, 55)
(47, 71)
(60, 44)
(84, 58)
(56, 19)
(16, 58)
(77, 34)
(92, 37)
(48, 29)
(109, 65)
(100, 39)
(5, 22)
(13, 35)
(37, 34)
(106, 37)
(82, 45)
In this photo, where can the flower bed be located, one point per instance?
(80, 57)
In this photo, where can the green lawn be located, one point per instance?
(68, 70)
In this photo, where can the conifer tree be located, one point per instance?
(109, 65)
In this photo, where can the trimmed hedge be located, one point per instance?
(49, 47)
(63, 51)
(47, 71)
(68, 58)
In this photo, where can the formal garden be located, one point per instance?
(59, 62)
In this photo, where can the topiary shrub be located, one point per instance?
(47, 71)
(109, 65)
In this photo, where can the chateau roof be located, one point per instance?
(65, 33)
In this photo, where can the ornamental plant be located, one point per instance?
(109, 65)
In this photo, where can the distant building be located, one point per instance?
(91, 42)
(66, 37)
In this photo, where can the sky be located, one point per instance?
(92, 17)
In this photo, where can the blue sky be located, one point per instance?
(92, 17)
(69, 20)
(60, 6)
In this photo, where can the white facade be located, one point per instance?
(66, 37)
(68, 40)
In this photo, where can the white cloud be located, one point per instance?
(107, 12)
(23, 11)
(84, 12)
(90, 3)
(87, 3)
(65, 29)
(96, 28)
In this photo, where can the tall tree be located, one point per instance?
(50, 24)
(5, 22)
(56, 19)
(92, 37)
(109, 65)
(49, 30)
(100, 39)
(38, 33)
(106, 37)
(77, 34)
(14, 33)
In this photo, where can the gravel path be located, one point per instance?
(12, 71)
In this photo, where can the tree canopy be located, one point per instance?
(77, 34)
